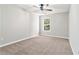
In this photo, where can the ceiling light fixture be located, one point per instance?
(45, 7)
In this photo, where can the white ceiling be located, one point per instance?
(57, 8)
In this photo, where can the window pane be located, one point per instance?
(46, 27)
(47, 21)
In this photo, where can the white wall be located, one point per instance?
(34, 24)
(74, 28)
(59, 25)
(16, 24)
(0, 22)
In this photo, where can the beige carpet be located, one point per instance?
(41, 45)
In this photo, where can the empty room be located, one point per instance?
(39, 29)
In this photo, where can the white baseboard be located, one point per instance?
(61, 37)
(56, 36)
(6, 44)
(71, 46)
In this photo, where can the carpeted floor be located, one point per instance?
(40, 45)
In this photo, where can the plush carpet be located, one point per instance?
(41, 45)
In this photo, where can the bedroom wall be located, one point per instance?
(59, 25)
(16, 24)
(34, 24)
(74, 28)
(0, 22)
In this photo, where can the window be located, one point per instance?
(46, 24)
